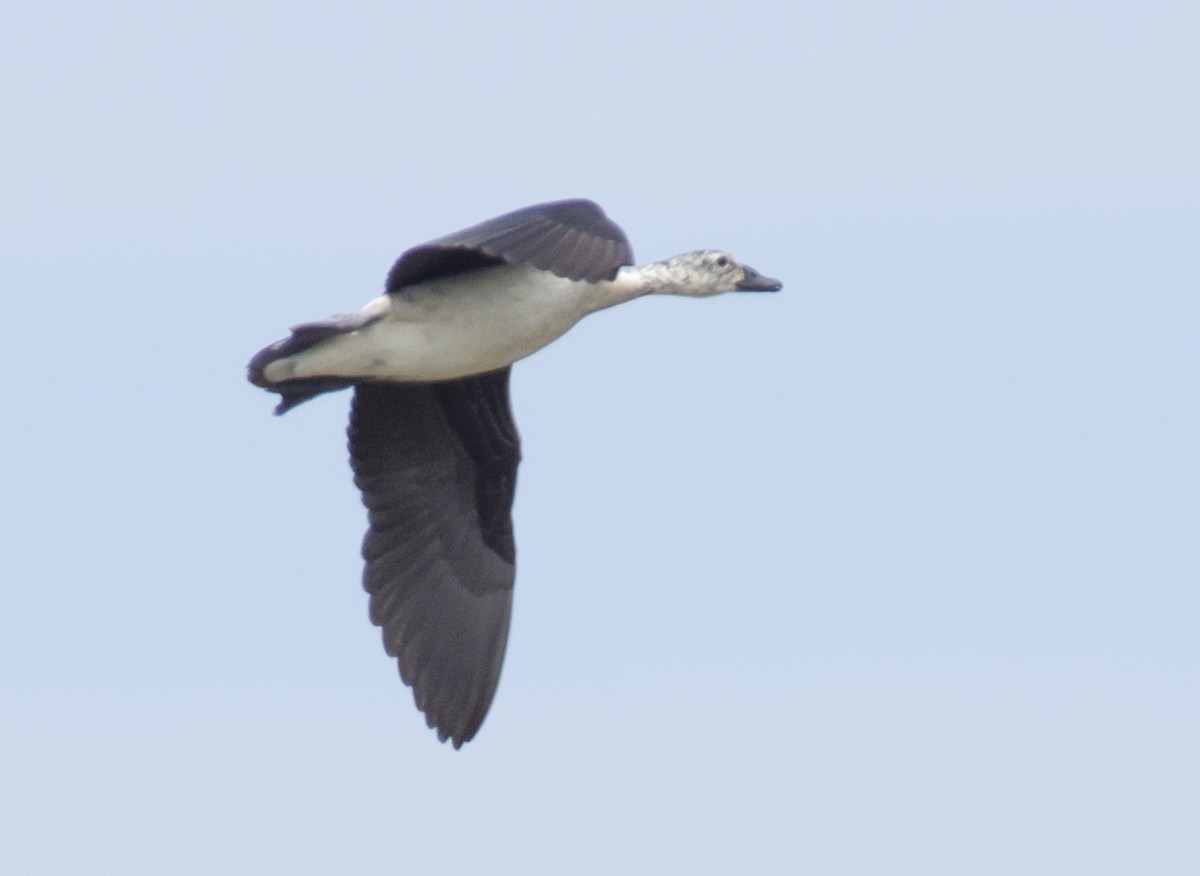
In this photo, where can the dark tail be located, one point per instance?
(303, 337)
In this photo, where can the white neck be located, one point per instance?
(673, 276)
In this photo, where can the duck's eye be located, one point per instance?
(722, 262)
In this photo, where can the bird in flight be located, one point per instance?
(432, 441)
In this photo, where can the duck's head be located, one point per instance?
(711, 272)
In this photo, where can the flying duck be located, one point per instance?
(432, 441)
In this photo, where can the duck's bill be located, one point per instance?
(753, 281)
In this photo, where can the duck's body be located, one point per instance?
(454, 327)
(432, 441)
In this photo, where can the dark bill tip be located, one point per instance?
(753, 281)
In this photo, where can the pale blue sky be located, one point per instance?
(893, 572)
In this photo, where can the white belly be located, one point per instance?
(444, 329)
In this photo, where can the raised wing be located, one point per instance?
(437, 466)
(573, 239)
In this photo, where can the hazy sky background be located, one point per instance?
(893, 572)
